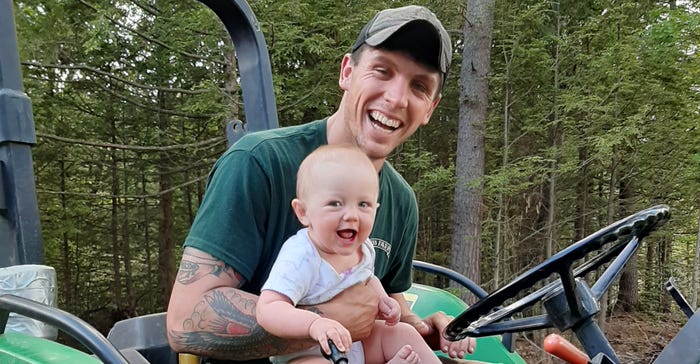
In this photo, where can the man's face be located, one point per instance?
(387, 97)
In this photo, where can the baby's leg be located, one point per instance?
(397, 344)
(405, 356)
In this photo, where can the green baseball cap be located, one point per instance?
(413, 29)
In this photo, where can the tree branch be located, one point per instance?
(151, 39)
(84, 67)
(202, 144)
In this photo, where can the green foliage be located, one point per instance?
(160, 75)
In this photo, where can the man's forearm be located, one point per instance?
(209, 316)
(223, 326)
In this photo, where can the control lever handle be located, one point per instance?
(564, 350)
(336, 356)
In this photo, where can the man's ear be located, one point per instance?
(433, 106)
(345, 70)
(300, 211)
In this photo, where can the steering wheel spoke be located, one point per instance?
(516, 325)
(613, 271)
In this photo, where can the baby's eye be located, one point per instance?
(365, 204)
(334, 203)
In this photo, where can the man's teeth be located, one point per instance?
(376, 115)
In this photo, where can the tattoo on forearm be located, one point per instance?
(229, 319)
(193, 268)
(225, 327)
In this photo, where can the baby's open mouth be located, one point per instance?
(347, 233)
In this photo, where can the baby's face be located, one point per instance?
(341, 206)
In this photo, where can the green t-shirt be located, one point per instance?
(246, 212)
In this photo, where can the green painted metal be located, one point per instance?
(425, 300)
(18, 348)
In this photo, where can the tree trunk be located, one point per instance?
(500, 225)
(602, 316)
(147, 240)
(114, 220)
(555, 136)
(166, 245)
(649, 280)
(126, 244)
(664, 253)
(66, 265)
(582, 189)
(627, 297)
(469, 169)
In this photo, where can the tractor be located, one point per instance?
(557, 286)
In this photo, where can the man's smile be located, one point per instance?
(381, 121)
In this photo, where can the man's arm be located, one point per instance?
(277, 314)
(208, 315)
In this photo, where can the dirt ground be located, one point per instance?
(636, 338)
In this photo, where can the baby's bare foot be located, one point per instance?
(405, 356)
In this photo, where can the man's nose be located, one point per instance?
(396, 93)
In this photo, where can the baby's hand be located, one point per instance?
(389, 311)
(324, 329)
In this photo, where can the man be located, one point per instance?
(391, 85)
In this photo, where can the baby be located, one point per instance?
(337, 194)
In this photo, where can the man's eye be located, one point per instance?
(420, 87)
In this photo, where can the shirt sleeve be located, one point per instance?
(294, 272)
(230, 223)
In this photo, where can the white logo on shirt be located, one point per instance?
(381, 245)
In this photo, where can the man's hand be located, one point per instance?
(431, 329)
(355, 308)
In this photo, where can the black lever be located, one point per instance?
(336, 356)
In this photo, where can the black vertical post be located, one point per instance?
(253, 64)
(20, 233)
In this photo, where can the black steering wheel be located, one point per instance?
(626, 234)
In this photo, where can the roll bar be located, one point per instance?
(253, 65)
(20, 233)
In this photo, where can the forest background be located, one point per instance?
(593, 114)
